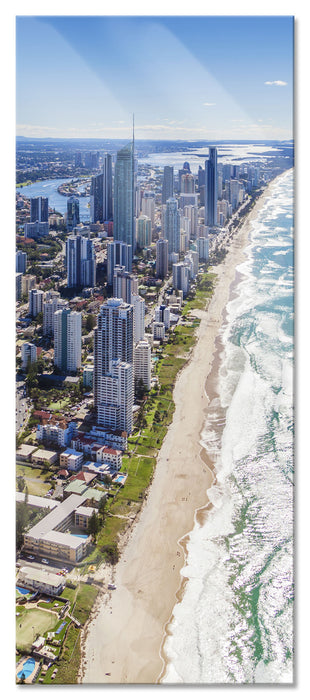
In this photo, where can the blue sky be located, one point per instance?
(192, 77)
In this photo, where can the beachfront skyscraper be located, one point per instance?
(172, 225)
(113, 365)
(81, 262)
(113, 336)
(124, 196)
(38, 209)
(67, 340)
(73, 213)
(168, 183)
(211, 188)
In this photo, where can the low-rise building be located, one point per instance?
(44, 456)
(71, 459)
(50, 537)
(40, 580)
(107, 455)
(24, 452)
(58, 432)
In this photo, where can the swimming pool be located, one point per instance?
(24, 591)
(27, 669)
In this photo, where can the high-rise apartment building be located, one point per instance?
(162, 315)
(20, 261)
(187, 183)
(35, 297)
(80, 261)
(113, 365)
(18, 289)
(203, 248)
(118, 253)
(52, 303)
(107, 188)
(73, 213)
(124, 199)
(138, 304)
(78, 159)
(142, 363)
(114, 410)
(122, 284)
(29, 354)
(168, 183)
(172, 225)
(211, 188)
(161, 258)
(186, 169)
(67, 340)
(36, 229)
(101, 203)
(38, 209)
(113, 336)
(96, 199)
(148, 205)
(181, 275)
(28, 282)
(144, 231)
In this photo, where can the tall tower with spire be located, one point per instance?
(124, 193)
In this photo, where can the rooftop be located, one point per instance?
(54, 519)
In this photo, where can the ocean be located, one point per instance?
(234, 623)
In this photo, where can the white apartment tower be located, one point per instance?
(52, 303)
(113, 365)
(29, 353)
(116, 392)
(35, 297)
(138, 304)
(142, 362)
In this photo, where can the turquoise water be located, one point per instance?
(27, 669)
(235, 621)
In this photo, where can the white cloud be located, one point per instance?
(278, 83)
(209, 104)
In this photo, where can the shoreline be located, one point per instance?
(125, 636)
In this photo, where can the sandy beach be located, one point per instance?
(123, 639)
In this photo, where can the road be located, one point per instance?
(150, 315)
(23, 407)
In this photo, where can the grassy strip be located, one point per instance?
(144, 444)
(69, 659)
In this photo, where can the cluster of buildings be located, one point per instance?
(192, 208)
